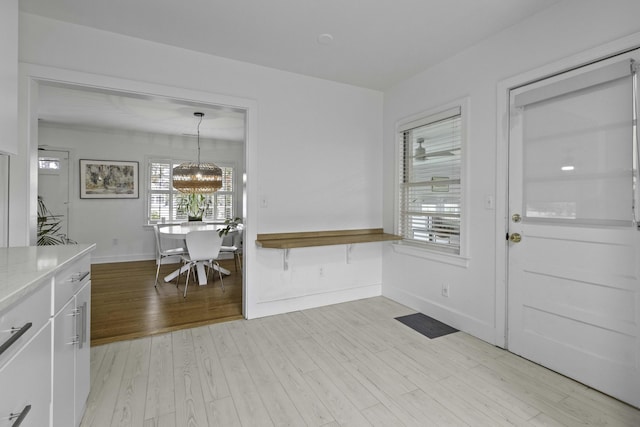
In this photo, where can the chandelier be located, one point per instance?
(197, 178)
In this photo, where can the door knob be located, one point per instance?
(515, 238)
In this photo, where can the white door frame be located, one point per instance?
(24, 172)
(502, 161)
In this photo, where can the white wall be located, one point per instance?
(554, 34)
(116, 226)
(317, 159)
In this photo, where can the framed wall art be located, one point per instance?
(108, 179)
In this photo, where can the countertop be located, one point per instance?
(22, 269)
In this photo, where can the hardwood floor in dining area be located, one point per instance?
(126, 305)
(349, 364)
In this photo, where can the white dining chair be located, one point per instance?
(203, 247)
(162, 252)
(234, 249)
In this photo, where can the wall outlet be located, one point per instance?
(445, 290)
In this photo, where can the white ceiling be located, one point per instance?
(375, 44)
(73, 106)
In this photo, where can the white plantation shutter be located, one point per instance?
(160, 190)
(430, 190)
(163, 199)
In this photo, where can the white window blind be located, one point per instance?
(577, 147)
(430, 185)
(163, 200)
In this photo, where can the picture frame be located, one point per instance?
(108, 179)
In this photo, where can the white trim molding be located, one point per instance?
(32, 75)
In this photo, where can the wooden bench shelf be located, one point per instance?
(323, 238)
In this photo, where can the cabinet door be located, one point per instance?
(82, 374)
(25, 384)
(23, 321)
(64, 347)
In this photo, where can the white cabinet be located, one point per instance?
(9, 76)
(25, 360)
(25, 384)
(45, 316)
(71, 340)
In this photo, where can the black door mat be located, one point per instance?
(427, 326)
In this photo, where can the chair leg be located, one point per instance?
(179, 274)
(209, 266)
(157, 272)
(187, 282)
(237, 260)
(220, 273)
(178, 277)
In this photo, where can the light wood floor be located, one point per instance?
(126, 305)
(349, 364)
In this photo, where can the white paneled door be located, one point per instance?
(574, 246)
(53, 188)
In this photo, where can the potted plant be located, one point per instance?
(229, 224)
(193, 205)
(49, 226)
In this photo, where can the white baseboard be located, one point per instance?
(287, 305)
(121, 258)
(451, 317)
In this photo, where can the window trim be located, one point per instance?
(428, 251)
(148, 160)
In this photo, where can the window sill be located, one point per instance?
(425, 253)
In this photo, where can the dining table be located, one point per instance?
(179, 232)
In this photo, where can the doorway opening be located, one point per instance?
(53, 197)
(83, 115)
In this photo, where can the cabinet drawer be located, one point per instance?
(26, 384)
(23, 320)
(69, 281)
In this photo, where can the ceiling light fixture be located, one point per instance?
(325, 39)
(197, 178)
(420, 153)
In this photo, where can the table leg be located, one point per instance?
(202, 274)
(175, 273)
(221, 270)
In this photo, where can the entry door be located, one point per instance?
(573, 287)
(53, 186)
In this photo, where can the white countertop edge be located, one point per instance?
(16, 284)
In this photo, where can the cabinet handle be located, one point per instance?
(16, 333)
(85, 324)
(81, 325)
(19, 417)
(79, 277)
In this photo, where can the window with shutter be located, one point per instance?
(429, 183)
(163, 200)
